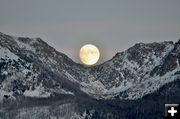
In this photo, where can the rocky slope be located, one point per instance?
(31, 70)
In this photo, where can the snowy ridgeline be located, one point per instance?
(126, 75)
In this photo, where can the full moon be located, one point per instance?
(89, 54)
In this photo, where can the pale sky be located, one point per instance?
(111, 25)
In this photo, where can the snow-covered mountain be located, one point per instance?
(140, 70)
(31, 69)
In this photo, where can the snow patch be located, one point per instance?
(177, 62)
(5, 72)
(124, 86)
(26, 46)
(6, 54)
(38, 92)
(61, 91)
(93, 88)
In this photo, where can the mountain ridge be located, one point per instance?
(115, 75)
(31, 70)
